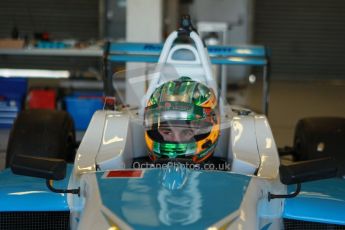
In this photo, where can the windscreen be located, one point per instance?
(179, 115)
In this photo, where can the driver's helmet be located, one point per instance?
(182, 121)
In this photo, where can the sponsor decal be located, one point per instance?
(136, 173)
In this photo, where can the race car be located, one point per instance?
(182, 159)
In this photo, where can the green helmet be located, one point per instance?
(182, 121)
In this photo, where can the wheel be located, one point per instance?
(42, 133)
(319, 137)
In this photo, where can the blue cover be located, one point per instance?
(319, 201)
(12, 93)
(157, 200)
(13, 86)
(81, 106)
(23, 193)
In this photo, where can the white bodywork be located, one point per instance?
(246, 141)
(114, 138)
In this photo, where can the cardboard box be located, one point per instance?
(7, 43)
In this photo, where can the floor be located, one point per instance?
(3, 145)
(290, 101)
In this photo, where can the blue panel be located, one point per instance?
(148, 48)
(13, 86)
(203, 199)
(224, 55)
(23, 193)
(133, 58)
(237, 51)
(82, 109)
(155, 48)
(239, 61)
(12, 92)
(319, 201)
(218, 61)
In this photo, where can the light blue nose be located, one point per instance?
(174, 176)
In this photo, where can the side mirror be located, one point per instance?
(308, 171)
(305, 171)
(47, 168)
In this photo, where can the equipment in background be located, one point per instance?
(81, 106)
(12, 94)
(42, 99)
(215, 33)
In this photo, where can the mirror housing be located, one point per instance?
(305, 171)
(47, 168)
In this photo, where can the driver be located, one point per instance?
(182, 121)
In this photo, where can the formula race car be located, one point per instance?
(182, 158)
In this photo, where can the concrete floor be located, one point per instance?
(290, 101)
(3, 145)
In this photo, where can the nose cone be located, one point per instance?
(174, 176)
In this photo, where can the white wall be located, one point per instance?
(238, 14)
(144, 20)
(144, 24)
(235, 12)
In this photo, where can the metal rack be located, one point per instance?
(57, 53)
(53, 52)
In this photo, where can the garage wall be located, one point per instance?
(62, 18)
(115, 15)
(238, 14)
(307, 38)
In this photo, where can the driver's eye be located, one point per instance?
(187, 132)
(167, 131)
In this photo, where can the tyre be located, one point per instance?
(319, 137)
(42, 133)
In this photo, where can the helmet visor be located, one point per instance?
(179, 131)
